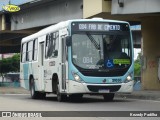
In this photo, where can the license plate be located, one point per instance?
(104, 91)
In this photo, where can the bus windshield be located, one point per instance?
(101, 50)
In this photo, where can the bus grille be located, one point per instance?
(94, 88)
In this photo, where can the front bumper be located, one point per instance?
(77, 87)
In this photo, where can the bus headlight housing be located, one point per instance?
(77, 77)
(128, 79)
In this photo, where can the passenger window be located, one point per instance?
(35, 49)
(23, 58)
(52, 45)
(29, 51)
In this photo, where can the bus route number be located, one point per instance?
(87, 60)
(82, 26)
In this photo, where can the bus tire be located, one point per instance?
(60, 97)
(54, 83)
(42, 95)
(36, 94)
(33, 93)
(108, 97)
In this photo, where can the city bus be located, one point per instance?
(77, 57)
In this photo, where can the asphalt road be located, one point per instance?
(23, 102)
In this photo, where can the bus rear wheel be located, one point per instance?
(108, 97)
(35, 94)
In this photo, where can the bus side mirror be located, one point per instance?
(68, 41)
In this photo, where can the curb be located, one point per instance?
(13, 90)
(139, 96)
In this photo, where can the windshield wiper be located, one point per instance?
(97, 46)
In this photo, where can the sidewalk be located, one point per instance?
(13, 90)
(142, 94)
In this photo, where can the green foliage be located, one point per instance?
(10, 64)
(16, 63)
(137, 69)
(137, 65)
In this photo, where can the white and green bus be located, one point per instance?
(76, 57)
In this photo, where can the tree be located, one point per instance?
(9, 65)
(137, 65)
(15, 60)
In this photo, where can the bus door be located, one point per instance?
(41, 65)
(63, 64)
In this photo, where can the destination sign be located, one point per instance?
(96, 26)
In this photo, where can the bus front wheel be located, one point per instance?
(108, 97)
(60, 97)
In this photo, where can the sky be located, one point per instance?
(136, 51)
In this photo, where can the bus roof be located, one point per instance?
(65, 24)
(44, 31)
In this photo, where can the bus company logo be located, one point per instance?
(11, 8)
(104, 81)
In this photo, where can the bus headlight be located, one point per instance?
(128, 79)
(76, 77)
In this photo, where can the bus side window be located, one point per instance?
(51, 45)
(35, 48)
(24, 52)
(30, 51)
(56, 42)
(47, 45)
